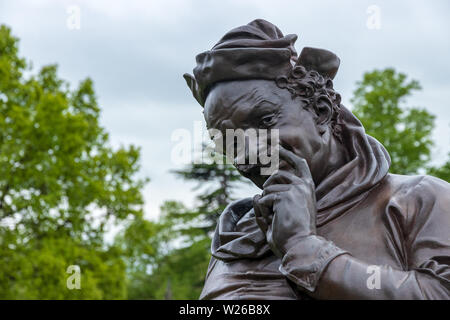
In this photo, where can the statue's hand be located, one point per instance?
(286, 211)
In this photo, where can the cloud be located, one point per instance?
(137, 51)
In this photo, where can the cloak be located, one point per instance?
(368, 220)
(398, 226)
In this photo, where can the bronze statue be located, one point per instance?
(332, 218)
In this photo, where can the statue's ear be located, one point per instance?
(323, 61)
(193, 85)
(324, 111)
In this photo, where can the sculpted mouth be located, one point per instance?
(252, 171)
(248, 169)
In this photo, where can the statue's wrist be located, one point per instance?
(294, 241)
(306, 260)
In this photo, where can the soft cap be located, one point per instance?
(257, 50)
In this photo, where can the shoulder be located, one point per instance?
(236, 210)
(237, 234)
(228, 221)
(420, 201)
(416, 187)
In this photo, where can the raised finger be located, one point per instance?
(268, 200)
(263, 211)
(260, 220)
(280, 177)
(275, 188)
(299, 164)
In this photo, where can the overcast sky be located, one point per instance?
(137, 51)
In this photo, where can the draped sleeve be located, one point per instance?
(421, 212)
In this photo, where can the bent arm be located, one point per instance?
(246, 279)
(335, 274)
(325, 271)
(350, 278)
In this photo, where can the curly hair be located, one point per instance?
(313, 87)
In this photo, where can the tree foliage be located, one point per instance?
(404, 131)
(215, 183)
(62, 189)
(442, 172)
(184, 235)
(61, 186)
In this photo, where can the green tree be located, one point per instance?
(140, 243)
(61, 186)
(184, 235)
(442, 172)
(215, 184)
(404, 131)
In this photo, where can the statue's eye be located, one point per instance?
(267, 120)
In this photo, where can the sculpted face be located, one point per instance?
(261, 104)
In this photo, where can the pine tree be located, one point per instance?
(184, 234)
(216, 182)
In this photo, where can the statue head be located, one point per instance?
(253, 79)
